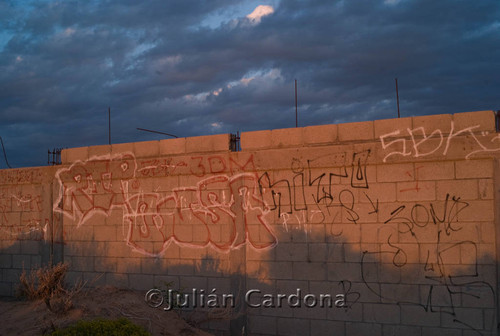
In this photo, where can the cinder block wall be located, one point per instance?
(396, 217)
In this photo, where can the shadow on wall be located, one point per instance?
(409, 281)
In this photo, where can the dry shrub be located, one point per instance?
(47, 284)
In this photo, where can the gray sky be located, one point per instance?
(207, 67)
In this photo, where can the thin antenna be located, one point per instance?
(296, 115)
(109, 125)
(397, 96)
(146, 130)
(5, 154)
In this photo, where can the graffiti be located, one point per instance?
(221, 211)
(95, 186)
(351, 297)
(225, 209)
(429, 231)
(421, 144)
(198, 166)
(17, 176)
(21, 215)
(224, 223)
(416, 187)
(316, 195)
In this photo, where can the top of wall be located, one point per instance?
(386, 131)
(422, 127)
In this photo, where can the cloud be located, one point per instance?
(259, 12)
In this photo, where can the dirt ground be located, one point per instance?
(34, 318)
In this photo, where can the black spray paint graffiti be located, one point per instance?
(323, 189)
(447, 272)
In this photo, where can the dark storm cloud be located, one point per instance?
(164, 66)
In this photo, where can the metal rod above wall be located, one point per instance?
(397, 96)
(109, 125)
(296, 114)
(4, 153)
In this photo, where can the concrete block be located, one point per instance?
(431, 123)
(465, 189)
(292, 327)
(122, 148)
(401, 292)
(472, 316)
(71, 155)
(190, 282)
(417, 316)
(318, 252)
(104, 264)
(353, 314)
(322, 134)
(280, 269)
(84, 233)
(311, 309)
(222, 286)
(474, 169)
(416, 191)
(390, 128)
(117, 280)
(292, 252)
(433, 331)
(187, 267)
(22, 261)
(193, 253)
(255, 140)
(172, 146)
(381, 313)
(82, 264)
(30, 247)
(486, 189)
(118, 249)
(344, 271)
(266, 325)
(363, 329)
(97, 151)
(6, 260)
(478, 211)
(287, 137)
(290, 286)
(128, 265)
(141, 281)
(155, 266)
(381, 192)
(356, 131)
(395, 172)
(12, 275)
(439, 170)
(166, 282)
(397, 330)
(327, 328)
(487, 233)
(6, 289)
(106, 233)
(485, 120)
(147, 149)
(209, 143)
